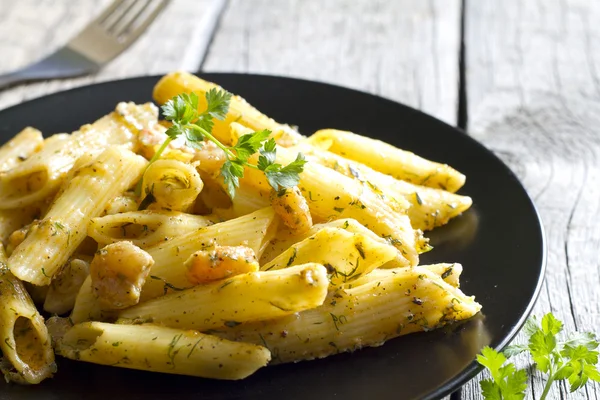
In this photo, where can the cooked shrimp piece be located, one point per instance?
(118, 272)
(220, 262)
(292, 208)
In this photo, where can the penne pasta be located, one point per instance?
(286, 239)
(450, 273)
(210, 242)
(383, 157)
(50, 243)
(331, 195)
(171, 185)
(144, 228)
(41, 174)
(429, 207)
(415, 299)
(25, 344)
(239, 110)
(20, 147)
(13, 220)
(248, 297)
(169, 272)
(63, 290)
(160, 349)
(346, 255)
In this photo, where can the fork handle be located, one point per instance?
(65, 63)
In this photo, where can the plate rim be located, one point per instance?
(472, 369)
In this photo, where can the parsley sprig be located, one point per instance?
(195, 128)
(573, 359)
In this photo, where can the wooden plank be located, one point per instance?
(404, 50)
(30, 29)
(534, 98)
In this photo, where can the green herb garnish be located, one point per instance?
(573, 359)
(195, 127)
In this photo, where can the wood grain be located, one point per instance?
(534, 98)
(404, 50)
(31, 29)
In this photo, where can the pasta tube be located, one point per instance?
(50, 243)
(25, 343)
(63, 290)
(41, 174)
(13, 220)
(160, 349)
(450, 273)
(172, 184)
(144, 228)
(169, 257)
(415, 299)
(20, 147)
(345, 255)
(169, 272)
(248, 297)
(429, 207)
(331, 195)
(383, 157)
(239, 110)
(286, 239)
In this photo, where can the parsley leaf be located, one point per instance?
(284, 177)
(231, 171)
(217, 103)
(507, 382)
(573, 359)
(249, 144)
(196, 128)
(183, 108)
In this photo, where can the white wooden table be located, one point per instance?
(527, 86)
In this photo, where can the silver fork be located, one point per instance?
(102, 40)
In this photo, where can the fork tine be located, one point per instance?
(125, 27)
(145, 22)
(119, 15)
(108, 12)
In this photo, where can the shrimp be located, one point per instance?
(118, 272)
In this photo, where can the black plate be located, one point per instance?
(500, 243)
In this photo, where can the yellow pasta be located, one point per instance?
(388, 159)
(63, 290)
(172, 185)
(450, 273)
(363, 316)
(160, 349)
(332, 195)
(41, 174)
(20, 147)
(429, 207)
(253, 296)
(144, 228)
(25, 344)
(50, 242)
(346, 255)
(169, 270)
(209, 254)
(239, 110)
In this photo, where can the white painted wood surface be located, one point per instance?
(534, 99)
(405, 50)
(31, 29)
